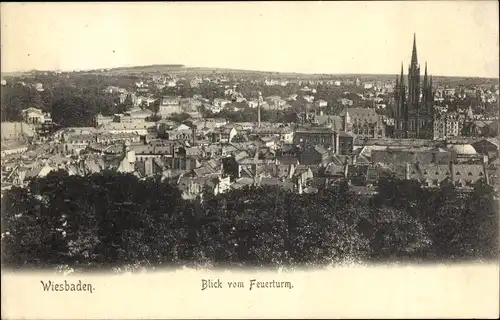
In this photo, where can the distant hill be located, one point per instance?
(185, 70)
(148, 69)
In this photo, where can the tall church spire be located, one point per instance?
(414, 59)
(401, 80)
(425, 77)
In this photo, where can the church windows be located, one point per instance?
(412, 125)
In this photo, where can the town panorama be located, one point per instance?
(167, 165)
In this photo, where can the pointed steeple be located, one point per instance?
(414, 60)
(470, 114)
(425, 77)
(401, 80)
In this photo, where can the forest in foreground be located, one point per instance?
(112, 220)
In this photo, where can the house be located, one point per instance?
(275, 102)
(140, 114)
(344, 143)
(463, 176)
(314, 136)
(149, 167)
(38, 172)
(33, 116)
(109, 138)
(446, 124)
(220, 103)
(422, 155)
(488, 147)
(127, 163)
(314, 155)
(224, 135)
(179, 132)
(329, 121)
(284, 134)
(192, 187)
(75, 143)
(303, 178)
(345, 102)
(16, 130)
(268, 142)
(134, 126)
(363, 122)
(308, 98)
(101, 120)
(339, 141)
(321, 104)
(168, 106)
(13, 147)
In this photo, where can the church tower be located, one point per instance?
(400, 105)
(414, 90)
(413, 103)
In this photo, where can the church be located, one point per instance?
(413, 103)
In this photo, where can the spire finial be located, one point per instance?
(414, 60)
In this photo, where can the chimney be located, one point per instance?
(258, 114)
(452, 171)
(485, 169)
(193, 131)
(407, 171)
(299, 181)
(258, 109)
(336, 145)
(485, 160)
(148, 167)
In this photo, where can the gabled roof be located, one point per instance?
(241, 155)
(287, 185)
(335, 170)
(320, 149)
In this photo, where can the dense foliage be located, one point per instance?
(110, 219)
(69, 104)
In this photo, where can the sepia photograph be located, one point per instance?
(276, 138)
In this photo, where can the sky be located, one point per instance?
(456, 38)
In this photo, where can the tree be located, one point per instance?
(179, 117)
(73, 112)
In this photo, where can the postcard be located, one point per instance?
(314, 159)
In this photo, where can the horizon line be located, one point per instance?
(183, 66)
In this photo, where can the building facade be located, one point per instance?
(446, 125)
(363, 122)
